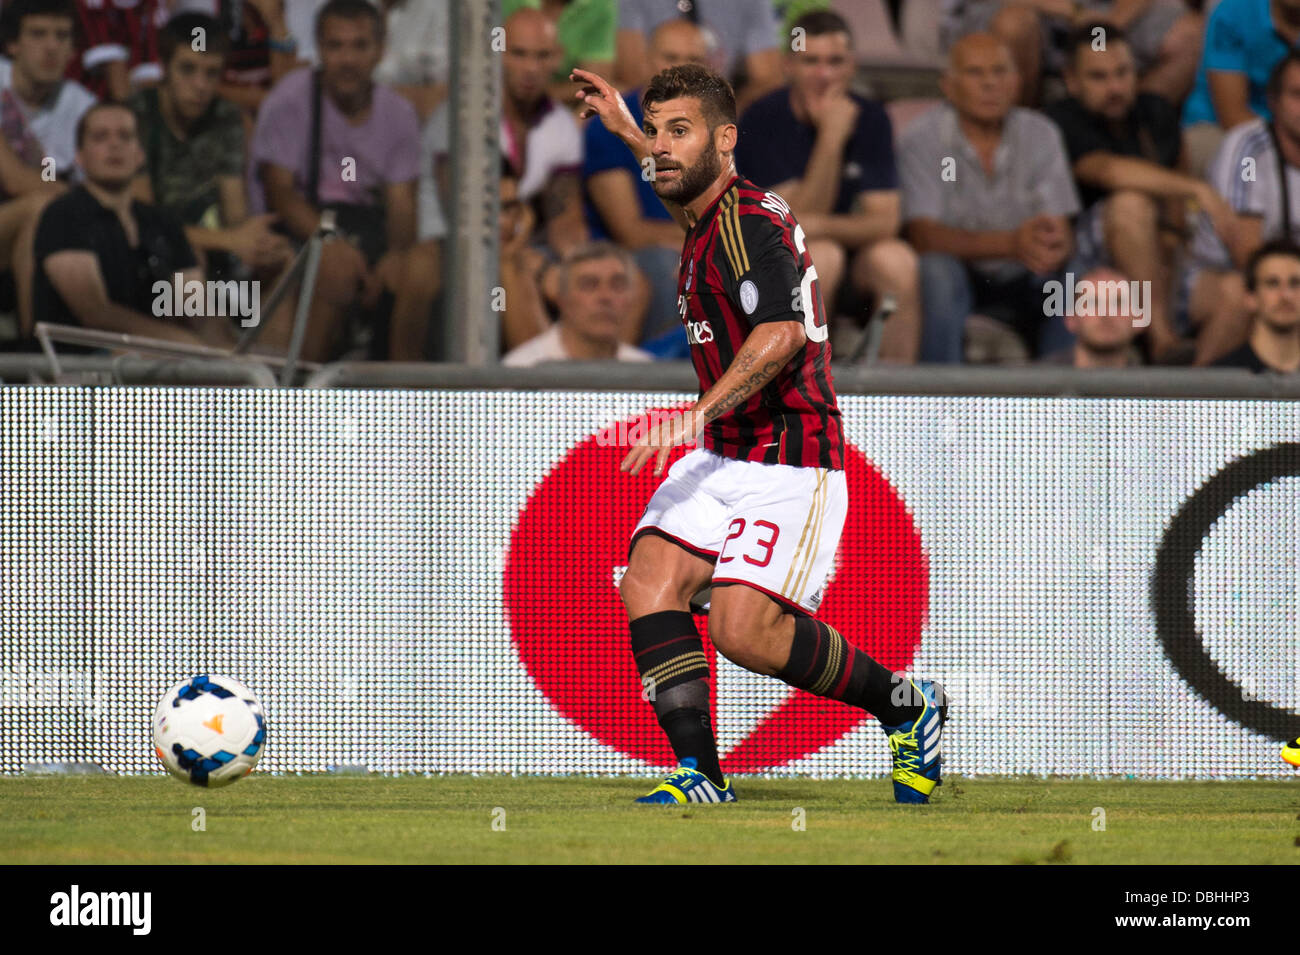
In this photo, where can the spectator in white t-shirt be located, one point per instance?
(35, 100)
(417, 55)
(39, 112)
(595, 287)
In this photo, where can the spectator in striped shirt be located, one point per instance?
(1248, 172)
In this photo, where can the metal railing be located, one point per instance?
(29, 369)
(1024, 381)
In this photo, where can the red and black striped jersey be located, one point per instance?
(111, 30)
(745, 263)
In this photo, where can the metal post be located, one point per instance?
(308, 290)
(471, 329)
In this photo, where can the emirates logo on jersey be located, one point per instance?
(699, 333)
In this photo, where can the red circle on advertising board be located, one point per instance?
(571, 630)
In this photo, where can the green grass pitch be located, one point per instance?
(320, 819)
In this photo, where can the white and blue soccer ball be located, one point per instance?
(209, 730)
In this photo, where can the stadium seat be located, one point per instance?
(873, 33)
(920, 29)
(877, 43)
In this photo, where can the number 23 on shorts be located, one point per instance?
(757, 551)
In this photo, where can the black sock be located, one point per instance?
(669, 655)
(690, 731)
(825, 664)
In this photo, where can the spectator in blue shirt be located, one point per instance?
(1244, 40)
(621, 203)
(829, 153)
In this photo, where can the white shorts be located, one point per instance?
(771, 526)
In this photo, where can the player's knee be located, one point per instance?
(892, 262)
(828, 257)
(633, 591)
(1130, 210)
(731, 639)
(748, 639)
(340, 273)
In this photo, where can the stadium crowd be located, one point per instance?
(1094, 182)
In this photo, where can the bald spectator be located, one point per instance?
(987, 196)
(622, 205)
(1165, 34)
(744, 38)
(1102, 322)
(585, 30)
(595, 294)
(1273, 298)
(541, 138)
(829, 153)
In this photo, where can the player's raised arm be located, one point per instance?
(601, 99)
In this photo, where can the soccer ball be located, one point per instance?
(1291, 752)
(209, 731)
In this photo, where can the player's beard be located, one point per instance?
(692, 180)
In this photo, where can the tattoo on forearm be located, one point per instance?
(741, 392)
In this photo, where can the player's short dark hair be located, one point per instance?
(822, 23)
(717, 100)
(15, 11)
(99, 108)
(179, 33)
(1079, 40)
(350, 10)
(1275, 247)
(1274, 88)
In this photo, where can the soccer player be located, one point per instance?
(757, 510)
